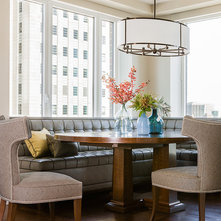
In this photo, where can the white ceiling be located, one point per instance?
(164, 7)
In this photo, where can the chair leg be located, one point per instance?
(51, 209)
(11, 211)
(202, 199)
(77, 210)
(2, 209)
(155, 191)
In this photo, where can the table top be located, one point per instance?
(111, 137)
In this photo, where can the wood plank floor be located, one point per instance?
(93, 210)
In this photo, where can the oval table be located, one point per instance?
(164, 156)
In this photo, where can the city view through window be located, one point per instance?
(204, 69)
(72, 63)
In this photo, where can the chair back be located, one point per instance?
(12, 132)
(207, 135)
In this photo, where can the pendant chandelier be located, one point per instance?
(152, 36)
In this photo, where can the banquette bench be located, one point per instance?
(93, 165)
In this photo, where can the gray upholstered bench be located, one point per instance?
(93, 165)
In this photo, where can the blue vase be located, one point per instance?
(156, 123)
(143, 125)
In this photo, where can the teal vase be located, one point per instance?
(156, 123)
(143, 125)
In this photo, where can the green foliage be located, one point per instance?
(144, 103)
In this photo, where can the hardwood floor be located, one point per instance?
(93, 210)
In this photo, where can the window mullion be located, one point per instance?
(47, 83)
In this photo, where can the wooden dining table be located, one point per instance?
(164, 156)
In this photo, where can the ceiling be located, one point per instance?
(164, 7)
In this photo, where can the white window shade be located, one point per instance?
(152, 37)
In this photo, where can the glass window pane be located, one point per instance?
(203, 69)
(26, 81)
(107, 65)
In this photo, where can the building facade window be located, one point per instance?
(65, 14)
(54, 30)
(65, 32)
(54, 49)
(65, 51)
(75, 53)
(75, 34)
(65, 109)
(84, 110)
(85, 54)
(54, 69)
(85, 73)
(75, 110)
(54, 109)
(75, 91)
(85, 36)
(75, 17)
(19, 88)
(65, 70)
(75, 72)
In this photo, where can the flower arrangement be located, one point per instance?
(145, 102)
(125, 91)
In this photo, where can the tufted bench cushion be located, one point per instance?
(83, 159)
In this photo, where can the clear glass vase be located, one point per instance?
(143, 127)
(123, 123)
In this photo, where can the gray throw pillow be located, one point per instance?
(61, 149)
(2, 117)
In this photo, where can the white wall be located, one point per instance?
(164, 74)
(4, 56)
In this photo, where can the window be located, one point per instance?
(54, 109)
(106, 65)
(20, 89)
(75, 91)
(85, 54)
(20, 27)
(54, 30)
(75, 72)
(65, 51)
(54, 69)
(65, 70)
(75, 34)
(65, 109)
(20, 48)
(54, 49)
(84, 110)
(65, 32)
(85, 36)
(65, 14)
(26, 82)
(85, 73)
(75, 53)
(54, 11)
(75, 110)
(203, 70)
(76, 17)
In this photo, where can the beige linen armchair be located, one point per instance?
(201, 179)
(34, 187)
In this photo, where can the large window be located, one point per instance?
(204, 69)
(63, 77)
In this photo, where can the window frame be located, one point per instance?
(47, 52)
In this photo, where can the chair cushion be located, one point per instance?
(61, 149)
(40, 187)
(182, 179)
(37, 144)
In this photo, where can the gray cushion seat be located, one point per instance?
(83, 159)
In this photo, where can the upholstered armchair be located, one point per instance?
(203, 178)
(34, 187)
